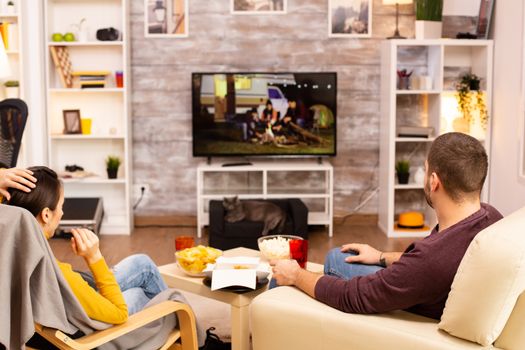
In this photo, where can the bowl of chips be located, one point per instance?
(275, 246)
(193, 260)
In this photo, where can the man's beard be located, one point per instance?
(427, 194)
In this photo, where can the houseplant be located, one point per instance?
(428, 19)
(112, 165)
(11, 88)
(471, 99)
(403, 171)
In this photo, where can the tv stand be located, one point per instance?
(308, 180)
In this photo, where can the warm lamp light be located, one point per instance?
(397, 3)
(5, 69)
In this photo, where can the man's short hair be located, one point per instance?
(461, 163)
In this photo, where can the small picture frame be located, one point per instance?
(485, 15)
(166, 18)
(72, 123)
(258, 7)
(349, 18)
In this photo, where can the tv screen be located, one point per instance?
(264, 114)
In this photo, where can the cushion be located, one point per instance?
(489, 280)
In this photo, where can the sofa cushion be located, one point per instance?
(489, 280)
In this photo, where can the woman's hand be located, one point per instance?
(365, 254)
(85, 244)
(21, 179)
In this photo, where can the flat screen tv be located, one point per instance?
(264, 114)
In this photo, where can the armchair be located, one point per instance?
(486, 305)
(225, 235)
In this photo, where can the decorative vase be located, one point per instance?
(402, 178)
(112, 173)
(419, 176)
(428, 29)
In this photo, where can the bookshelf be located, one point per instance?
(443, 61)
(107, 107)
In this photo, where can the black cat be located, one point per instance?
(271, 214)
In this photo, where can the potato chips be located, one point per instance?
(195, 259)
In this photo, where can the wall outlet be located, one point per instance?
(137, 190)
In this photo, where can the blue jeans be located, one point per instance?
(335, 265)
(138, 278)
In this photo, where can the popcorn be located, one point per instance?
(275, 248)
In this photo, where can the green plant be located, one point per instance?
(467, 85)
(403, 167)
(12, 83)
(429, 10)
(112, 162)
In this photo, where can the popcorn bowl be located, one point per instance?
(275, 246)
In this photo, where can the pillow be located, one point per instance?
(489, 280)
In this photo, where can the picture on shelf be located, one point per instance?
(72, 123)
(485, 14)
(258, 6)
(166, 18)
(350, 18)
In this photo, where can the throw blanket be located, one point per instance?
(34, 290)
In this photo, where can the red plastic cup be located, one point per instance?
(299, 251)
(183, 242)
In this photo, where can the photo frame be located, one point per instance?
(72, 123)
(486, 8)
(350, 18)
(166, 18)
(258, 7)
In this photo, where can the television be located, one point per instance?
(264, 114)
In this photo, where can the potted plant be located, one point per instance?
(112, 165)
(428, 19)
(403, 171)
(11, 88)
(470, 99)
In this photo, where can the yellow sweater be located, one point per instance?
(107, 305)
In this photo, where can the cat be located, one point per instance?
(271, 214)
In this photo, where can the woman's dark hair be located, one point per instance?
(46, 194)
(269, 103)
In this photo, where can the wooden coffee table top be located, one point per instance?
(176, 278)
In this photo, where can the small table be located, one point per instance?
(240, 303)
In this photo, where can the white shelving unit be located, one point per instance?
(15, 57)
(107, 107)
(444, 61)
(266, 180)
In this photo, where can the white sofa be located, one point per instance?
(288, 319)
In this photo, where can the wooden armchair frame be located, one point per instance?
(186, 331)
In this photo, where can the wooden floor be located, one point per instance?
(158, 242)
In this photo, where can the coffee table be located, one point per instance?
(240, 303)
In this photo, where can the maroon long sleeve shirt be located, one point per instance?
(418, 282)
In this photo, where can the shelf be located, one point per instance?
(12, 52)
(86, 137)
(417, 92)
(94, 180)
(415, 139)
(259, 195)
(8, 15)
(85, 43)
(410, 186)
(86, 91)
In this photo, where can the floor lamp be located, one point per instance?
(397, 3)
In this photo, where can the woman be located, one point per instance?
(125, 290)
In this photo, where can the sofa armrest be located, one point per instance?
(300, 217)
(285, 318)
(216, 223)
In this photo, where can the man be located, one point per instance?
(419, 279)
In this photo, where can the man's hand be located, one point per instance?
(365, 253)
(85, 244)
(20, 179)
(286, 272)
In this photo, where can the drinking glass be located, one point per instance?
(183, 242)
(299, 251)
